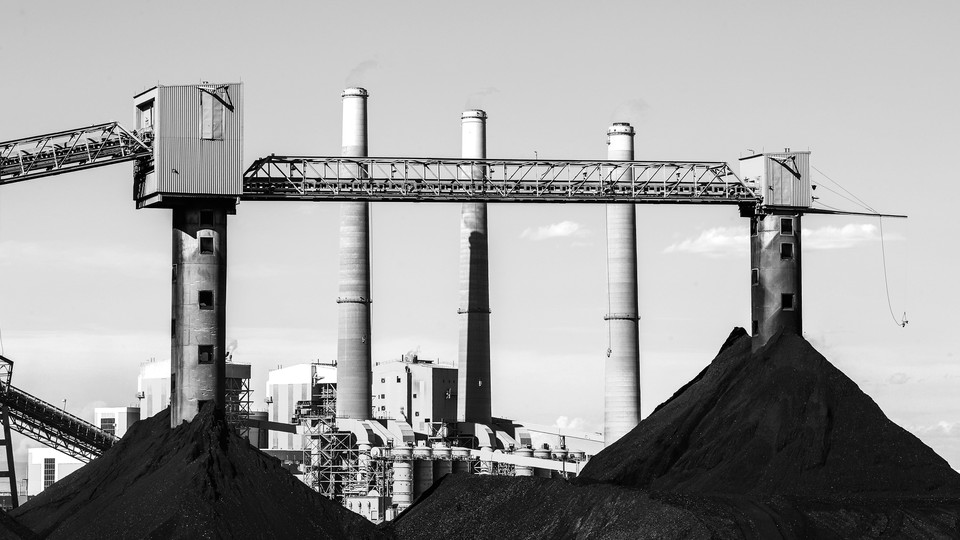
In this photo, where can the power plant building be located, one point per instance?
(417, 391)
(285, 387)
(46, 466)
(115, 420)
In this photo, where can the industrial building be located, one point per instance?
(115, 420)
(376, 436)
(46, 466)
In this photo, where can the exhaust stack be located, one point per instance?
(354, 379)
(622, 374)
(473, 392)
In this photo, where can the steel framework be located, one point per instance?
(237, 404)
(49, 424)
(455, 180)
(71, 150)
(331, 461)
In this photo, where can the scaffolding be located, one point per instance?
(237, 404)
(330, 459)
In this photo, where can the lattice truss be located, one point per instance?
(49, 424)
(71, 150)
(408, 179)
(237, 404)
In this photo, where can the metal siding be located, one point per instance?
(203, 167)
(786, 189)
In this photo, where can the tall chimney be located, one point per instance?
(622, 374)
(473, 392)
(354, 379)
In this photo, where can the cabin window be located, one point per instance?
(205, 299)
(211, 117)
(206, 244)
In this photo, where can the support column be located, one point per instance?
(198, 352)
(473, 392)
(354, 379)
(775, 278)
(622, 374)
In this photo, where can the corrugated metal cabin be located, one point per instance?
(197, 133)
(783, 178)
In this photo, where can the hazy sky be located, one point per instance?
(869, 87)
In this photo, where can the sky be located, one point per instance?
(868, 87)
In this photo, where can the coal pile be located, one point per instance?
(775, 443)
(11, 529)
(782, 421)
(199, 480)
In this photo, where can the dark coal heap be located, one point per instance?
(199, 480)
(776, 443)
(782, 421)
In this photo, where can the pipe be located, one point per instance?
(473, 386)
(354, 379)
(622, 373)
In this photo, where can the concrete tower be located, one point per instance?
(621, 411)
(783, 181)
(199, 308)
(775, 280)
(353, 340)
(473, 388)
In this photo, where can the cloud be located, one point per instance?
(477, 99)
(841, 237)
(898, 378)
(358, 75)
(573, 424)
(564, 229)
(941, 428)
(734, 241)
(715, 242)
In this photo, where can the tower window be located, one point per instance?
(174, 273)
(786, 251)
(753, 226)
(756, 327)
(787, 302)
(786, 226)
(755, 276)
(205, 354)
(205, 299)
(206, 244)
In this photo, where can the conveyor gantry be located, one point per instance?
(71, 150)
(454, 180)
(49, 424)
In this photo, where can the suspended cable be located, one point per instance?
(902, 322)
(863, 204)
(883, 254)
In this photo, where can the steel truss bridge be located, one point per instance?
(462, 180)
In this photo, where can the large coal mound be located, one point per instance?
(199, 480)
(775, 443)
(781, 420)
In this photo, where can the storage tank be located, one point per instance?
(523, 470)
(423, 476)
(402, 484)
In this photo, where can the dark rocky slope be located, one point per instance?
(199, 480)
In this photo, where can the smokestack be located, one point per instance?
(354, 379)
(473, 392)
(622, 373)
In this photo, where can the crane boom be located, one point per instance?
(71, 150)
